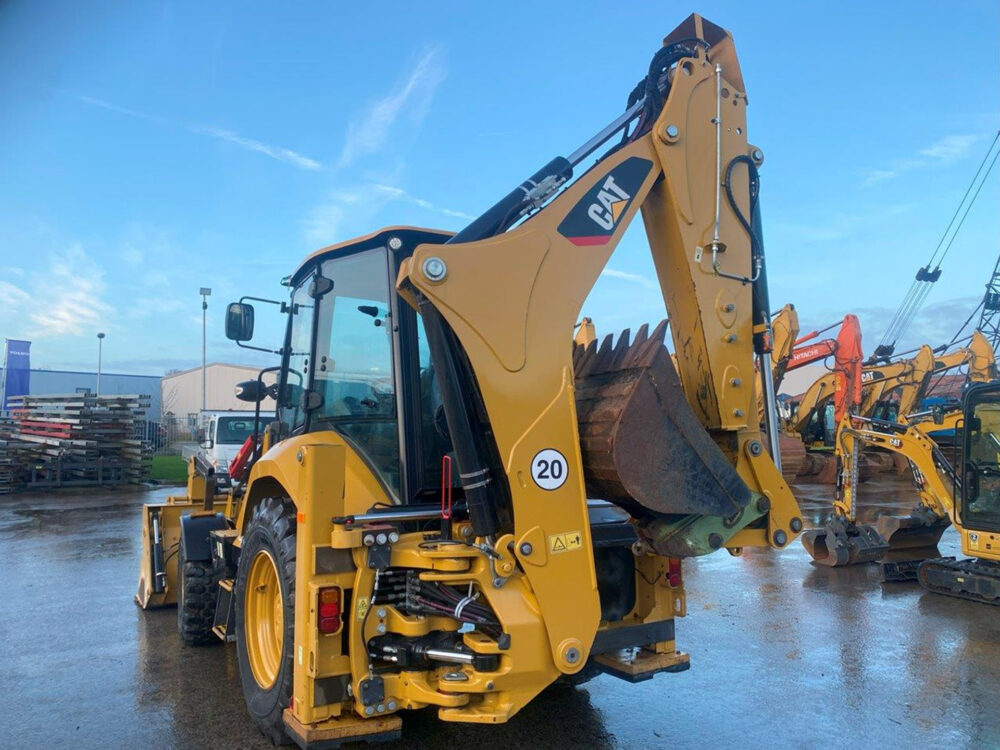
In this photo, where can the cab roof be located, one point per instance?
(411, 237)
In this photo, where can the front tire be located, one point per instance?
(197, 592)
(265, 614)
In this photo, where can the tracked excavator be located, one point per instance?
(456, 505)
(965, 493)
(844, 541)
(889, 391)
(976, 512)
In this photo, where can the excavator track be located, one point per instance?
(975, 580)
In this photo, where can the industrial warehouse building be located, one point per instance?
(181, 391)
(52, 382)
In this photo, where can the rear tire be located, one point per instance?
(264, 623)
(197, 593)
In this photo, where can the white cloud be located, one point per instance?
(14, 297)
(401, 195)
(947, 150)
(352, 211)
(368, 132)
(633, 278)
(951, 148)
(94, 101)
(132, 256)
(275, 152)
(66, 298)
(249, 144)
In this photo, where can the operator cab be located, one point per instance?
(356, 361)
(980, 497)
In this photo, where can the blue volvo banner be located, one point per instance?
(16, 370)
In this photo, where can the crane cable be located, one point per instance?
(925, 276)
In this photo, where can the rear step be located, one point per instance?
(624, 651)
(224, 615)
(640, 665)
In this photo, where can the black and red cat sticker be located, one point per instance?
(593, 219)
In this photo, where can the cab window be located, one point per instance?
(981, 480)
(296, 375)
(352, 371)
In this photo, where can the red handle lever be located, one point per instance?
(446, 487)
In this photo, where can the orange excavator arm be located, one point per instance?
(848, 358)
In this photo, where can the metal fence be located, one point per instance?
(167, 437)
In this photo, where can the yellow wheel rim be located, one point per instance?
(264, 626)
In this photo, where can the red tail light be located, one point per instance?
(674, 572)
(329, 610)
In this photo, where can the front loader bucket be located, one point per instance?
(643, 447)
(161, 533)
(841, 543)
(922, 528)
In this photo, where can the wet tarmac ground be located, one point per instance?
(783, 654)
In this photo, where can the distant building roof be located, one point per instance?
(210, 365)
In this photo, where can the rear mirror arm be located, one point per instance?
(282, 308)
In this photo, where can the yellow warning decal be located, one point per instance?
(362, 607)
(567, 542)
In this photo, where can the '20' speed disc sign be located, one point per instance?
(549, 469)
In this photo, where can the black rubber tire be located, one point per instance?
(197, 593)
(271, 528)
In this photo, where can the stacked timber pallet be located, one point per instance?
(72, 440)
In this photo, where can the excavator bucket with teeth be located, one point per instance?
(643, 447)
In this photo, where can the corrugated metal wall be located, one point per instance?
(181, 391)
(48, 382)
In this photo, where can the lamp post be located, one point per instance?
(205, 294)
(100, 352)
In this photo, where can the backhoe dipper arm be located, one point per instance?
(508, 299)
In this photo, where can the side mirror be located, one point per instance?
(252, 391)
(239, 321)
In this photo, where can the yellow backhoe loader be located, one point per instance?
(455, 506)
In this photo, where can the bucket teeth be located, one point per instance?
(621, 350)
(611, 356)
(642, 445)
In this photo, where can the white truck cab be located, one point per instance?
(224, 435)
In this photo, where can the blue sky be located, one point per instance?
(148, 149)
